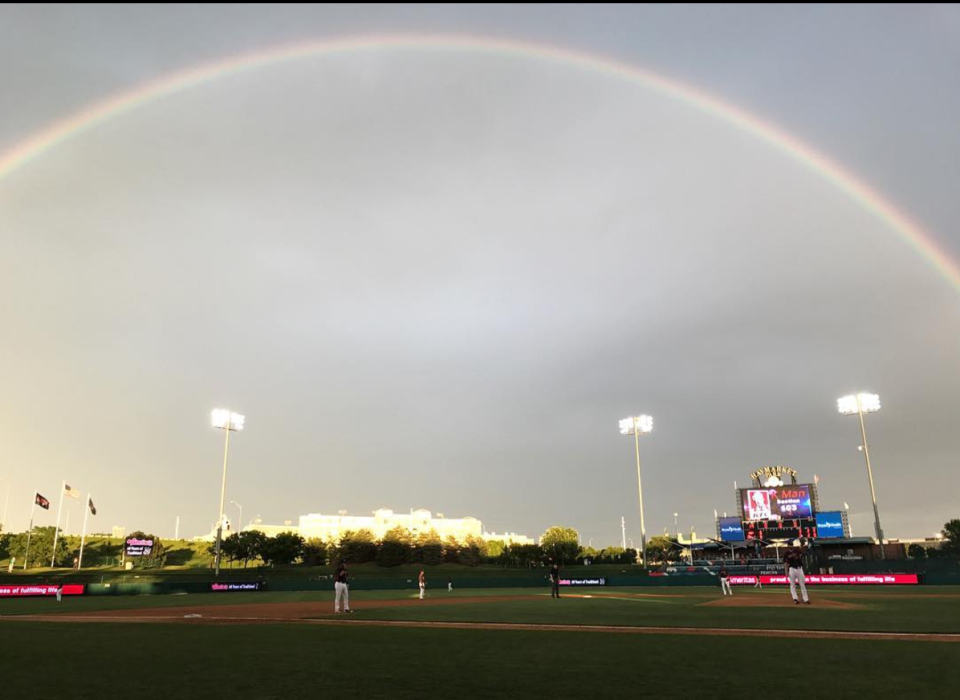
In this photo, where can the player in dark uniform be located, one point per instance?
(554, 581)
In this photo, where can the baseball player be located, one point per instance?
(423, 584)
(793, 563)
(59, 592)
(342, 589)
(725, 580)
(554, 581)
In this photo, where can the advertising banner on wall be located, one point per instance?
(139, 548)
(39, 590)
(583, 582)
(232, 587)
(830, 524)
(731, 530)
(832, 580)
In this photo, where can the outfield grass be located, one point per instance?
(900, 610)
(97, 660)
(896, 611)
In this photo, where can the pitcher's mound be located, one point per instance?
(777, 601)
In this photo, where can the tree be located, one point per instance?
(561, 544)
(283, 549)
(41, 547)
(473, 551)
(428, 549)
(917, 551)
(496, 548)
(617, 555)
(951, 537)
(229, 547)
(395, 547)
(451, 550)
(525, 555)
(314, 552)
(250, 545)
(355, 547)
(661, 548)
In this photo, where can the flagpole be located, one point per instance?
(83, 537)
(56, 533)
(26, 557)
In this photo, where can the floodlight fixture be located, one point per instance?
(226, 419)
(636, 424)
(858, 403)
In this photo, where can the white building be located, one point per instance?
(508, 538)
(331, 527)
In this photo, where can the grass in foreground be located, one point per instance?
(96, 660)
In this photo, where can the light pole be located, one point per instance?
(637, 426)
(859, 404)
(240, 521)
(228, 422)
(676, 530)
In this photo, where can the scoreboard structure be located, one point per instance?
(773, 510)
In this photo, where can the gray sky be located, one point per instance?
(439, 280)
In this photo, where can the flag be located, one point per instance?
(70, 491)
(42, 502)
(93, 508)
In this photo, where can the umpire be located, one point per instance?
(554, 580)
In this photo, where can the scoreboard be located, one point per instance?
(779, 529)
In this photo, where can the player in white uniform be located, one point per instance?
(342, 588)
(793, 563)
(423, 584)
(725, 581)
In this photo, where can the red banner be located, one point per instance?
(39, 590)
(832, 580)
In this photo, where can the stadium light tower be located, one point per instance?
(858, 404)
(637, 426)
(227, 421)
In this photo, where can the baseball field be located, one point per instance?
(503, 643)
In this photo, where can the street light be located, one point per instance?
(637, 426)
(858, 404)
(240, 521)
(228, 422)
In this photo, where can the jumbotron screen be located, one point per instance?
(777, 503)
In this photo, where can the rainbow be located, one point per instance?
(75, 124)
